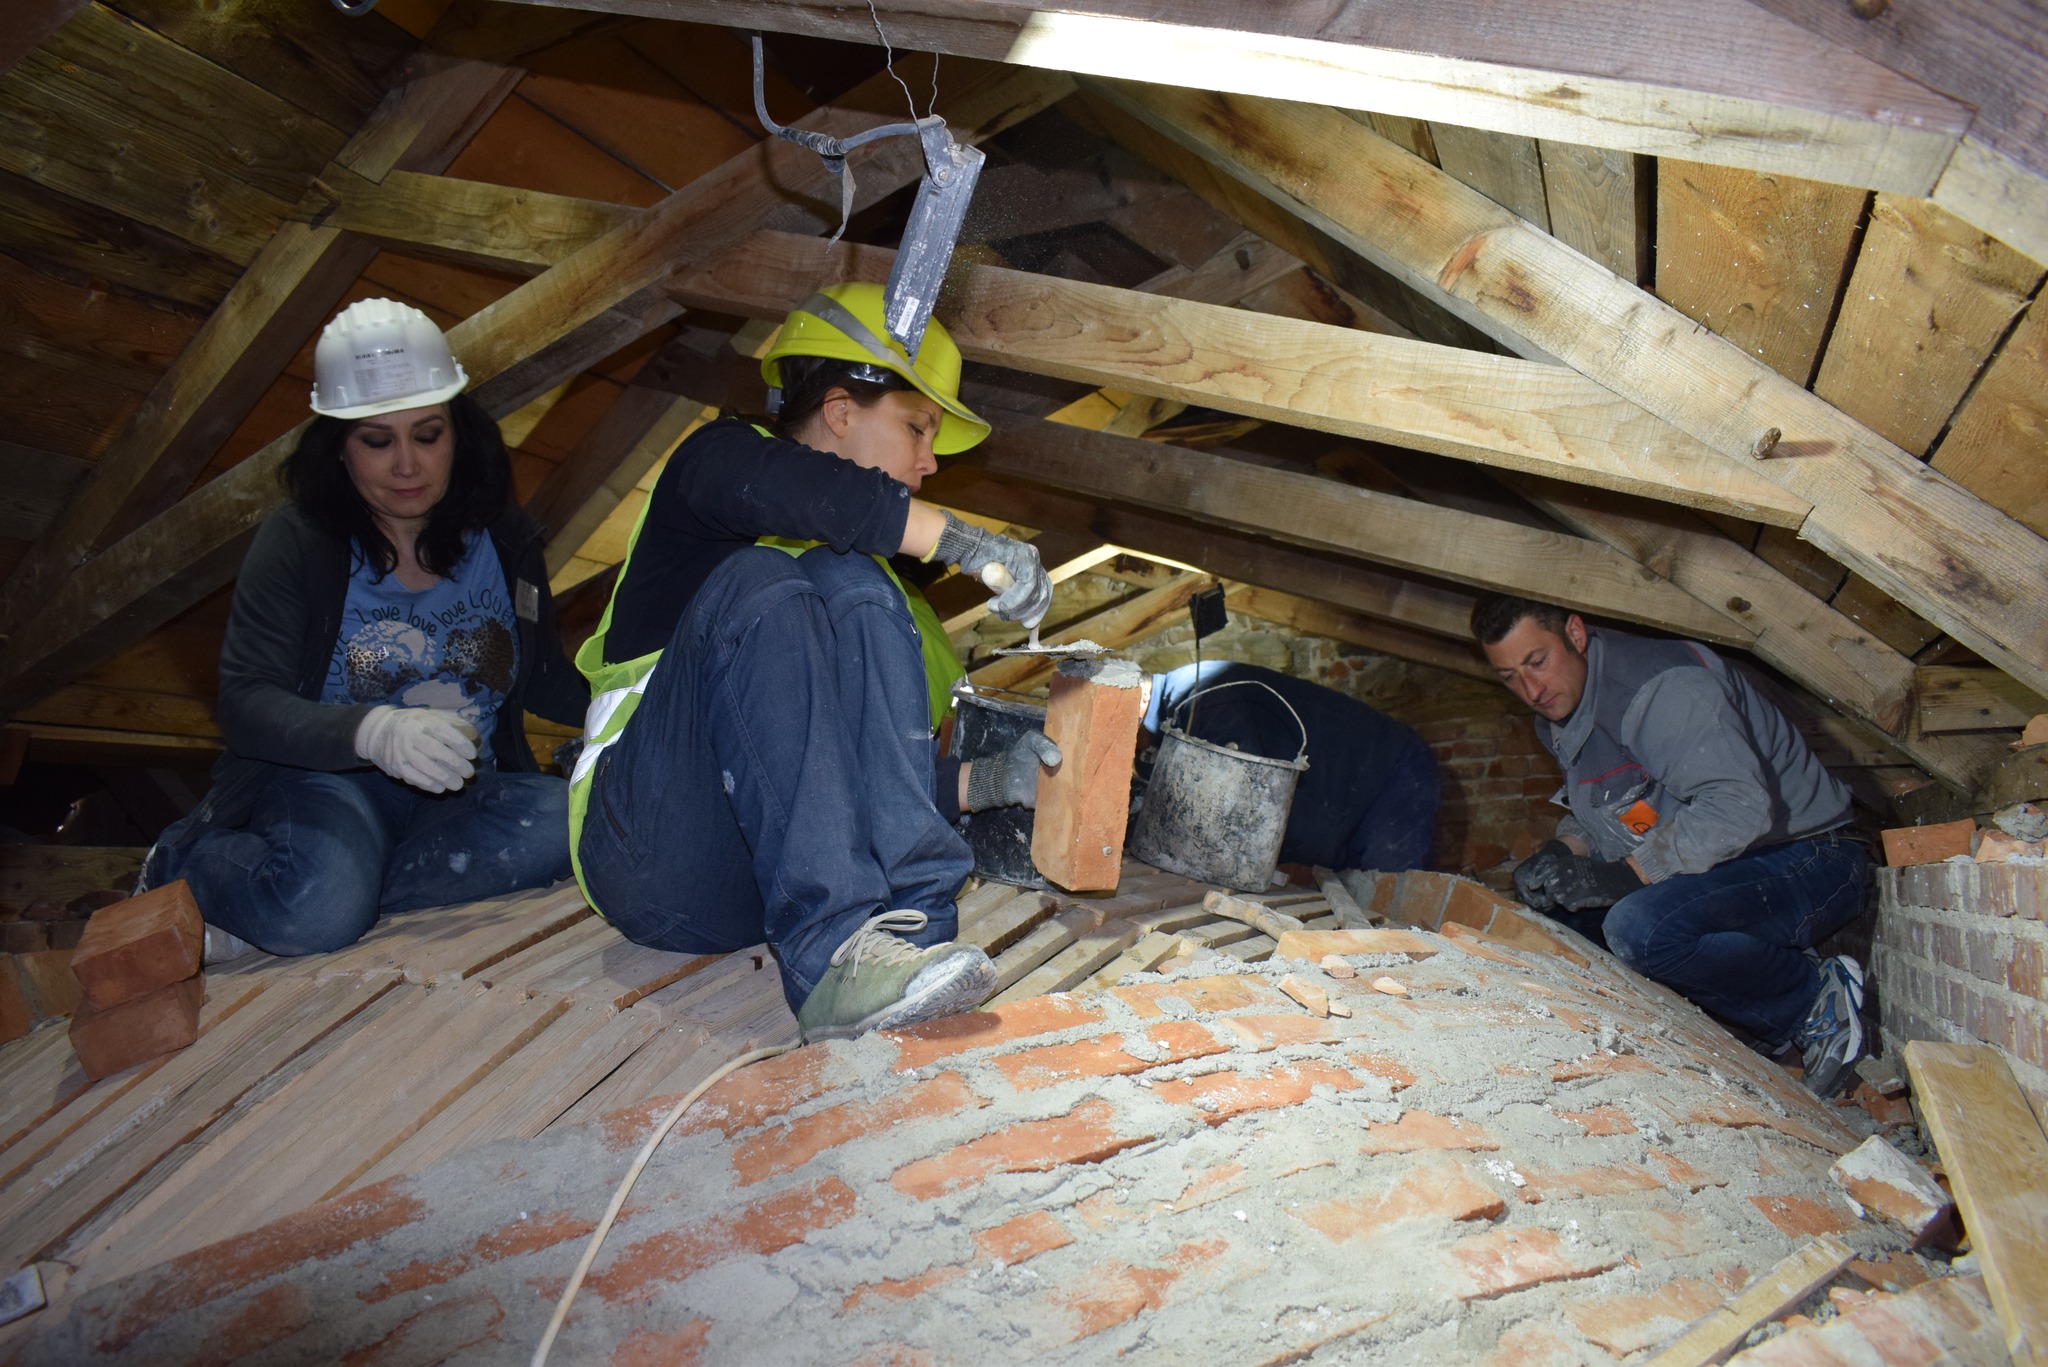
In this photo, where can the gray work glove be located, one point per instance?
(1011, 778)
(1583, 882)
(1028, 591)
(1533, 875)
(423, 746)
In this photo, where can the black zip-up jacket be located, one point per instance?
(281, 631)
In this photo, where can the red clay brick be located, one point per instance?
(919, 1046)
(1077, 838)
(1213, 1185)
(218, 1270)
(1602, 1064)
(1085, 1134)
(682, 1347)
(1624, 1324)
(1396, 1076)
(1223, 993)
(901, 1288)
(46, 977)
(109, 1039)
(269, 1317)
(1103, 1209)
(1601, 1120)
(1422, 1194)
(1022, 1239)
(1802, 1217)
(1897, 1270)
(1600, 1181)
(1683, 1174)
(510, 1241)
(1107, 1056)
(1417, 1130)
(752, 1096)
(1505, 1260)
(1220, 1096)
(640, 1269)
(894, 1355)
(1470, 904)
(134, 947)
(1908, 845)
(1263, 1032)
(1532, 1345)
(1114, 1292)
(788, 1147)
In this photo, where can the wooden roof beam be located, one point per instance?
(1921, 538)
(598, 294)
(1496, 410)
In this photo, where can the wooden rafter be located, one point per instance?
(1920, 538)
(595, 300)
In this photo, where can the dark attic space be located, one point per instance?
(946, 683)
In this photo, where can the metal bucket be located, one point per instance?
(1215, 814)
(985, 725)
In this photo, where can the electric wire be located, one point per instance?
(604, 1226)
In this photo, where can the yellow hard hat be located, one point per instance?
(844, 323)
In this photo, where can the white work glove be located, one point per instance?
(1010, 567)
(424, 746)
(1011, 778)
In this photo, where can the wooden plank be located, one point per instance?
(459, 943)
(530, 1090)
(40, 1076)
(471, 221)
(674, 1050)
(1997, 447)
(1994, 1151)
(291, 286)
(1713, 1338)
(318, 1133)
(186, 552)
(1040, 944)
(113, 338)
(120, 709)
(30, 873)
(1983, 186)
(1495, 410)
(1505, 168)
(1323, 514)
(39, 484)
(1884, 616)
(1930, 299)
(1711, 80)
(1073, 965)
(1956, 698)
(1922, 540)
(1154, 949)
(195, 150)
(997, 930)
(608, 970)
(1760, 259)
(1600, 203)
(174, 1106)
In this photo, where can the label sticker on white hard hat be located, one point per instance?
(383, 374)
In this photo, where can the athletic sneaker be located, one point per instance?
(1831, 1040)
(219, 947)
(878, 979)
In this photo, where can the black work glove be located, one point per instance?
(1011, 778)
(1583, 881)
(1533, 875)
(1023, 589)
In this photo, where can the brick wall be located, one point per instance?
(1960, 955)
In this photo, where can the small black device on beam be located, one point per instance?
(1205, 609)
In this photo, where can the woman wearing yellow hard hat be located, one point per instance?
(391, 624)
(758, 761)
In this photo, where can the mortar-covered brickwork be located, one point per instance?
(1962, 955)
(1522, 1159)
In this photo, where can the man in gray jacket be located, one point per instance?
(1698, 819)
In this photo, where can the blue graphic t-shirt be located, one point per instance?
(451, 646)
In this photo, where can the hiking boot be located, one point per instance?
(219, 947)
(878, 979)
(1831, 1040)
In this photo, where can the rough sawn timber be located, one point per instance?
(1918, 536)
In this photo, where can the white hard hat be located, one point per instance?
(379, 356)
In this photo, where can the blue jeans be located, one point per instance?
(1399, 830)
(325, 854)
(1730, 939)
(775, 782)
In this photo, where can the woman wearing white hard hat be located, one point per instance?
(758, 761)
(391, 623)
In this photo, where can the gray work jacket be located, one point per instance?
(1676, 759)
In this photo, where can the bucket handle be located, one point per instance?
(1255, 683)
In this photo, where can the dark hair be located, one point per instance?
(806, 380)
(479, 483)
(1495, 615)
